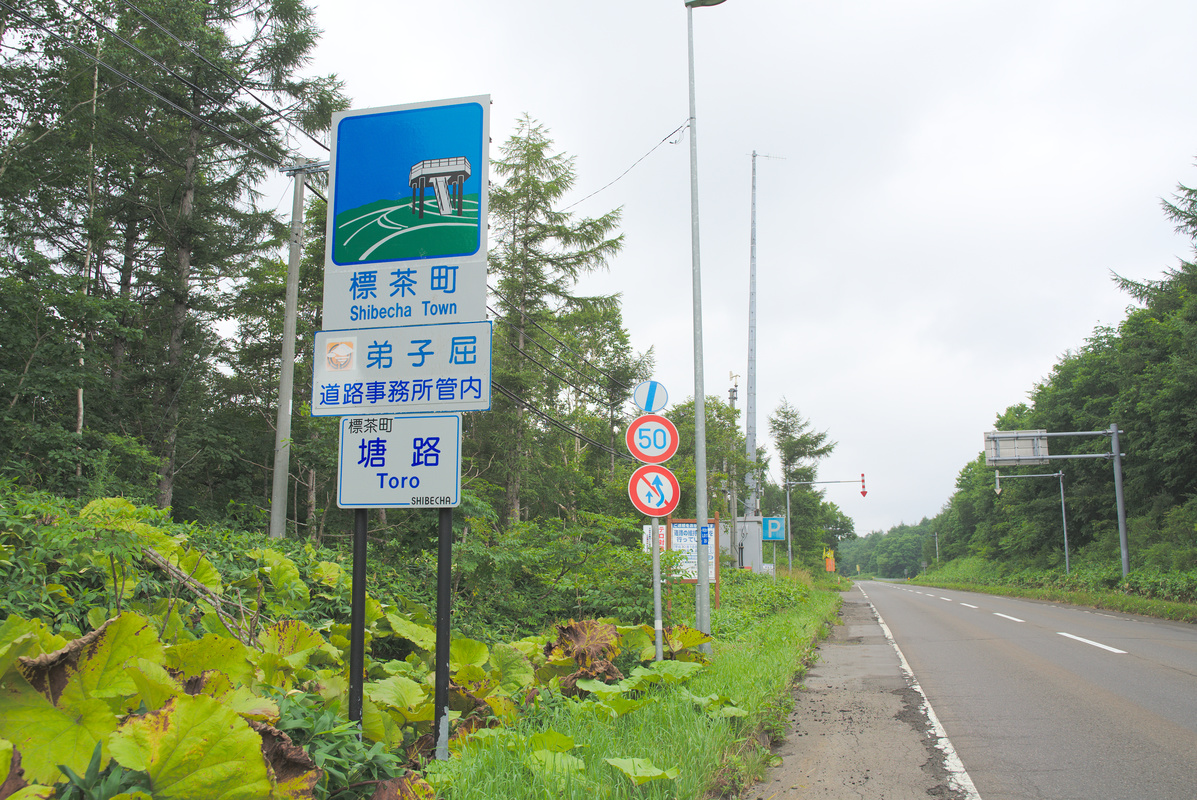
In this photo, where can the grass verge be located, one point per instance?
(712, 754)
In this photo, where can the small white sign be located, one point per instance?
(400, 462)
(411, 369)
(646, 540)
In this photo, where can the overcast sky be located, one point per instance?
(954, 183)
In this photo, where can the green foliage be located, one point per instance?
(897, 553)
(748, 598)
(336, 747)
(1180, 587)
(611, 732)
(108, 784)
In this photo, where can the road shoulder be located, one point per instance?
(859, 727)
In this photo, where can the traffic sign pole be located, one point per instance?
(658, 630)
(357, 617)
(444, 577)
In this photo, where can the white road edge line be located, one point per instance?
(1095, 644)
(968, 605)
(1007, 616)
(958, 777)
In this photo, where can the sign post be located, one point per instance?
(1024, 448)
(653, 439)
(405, 246)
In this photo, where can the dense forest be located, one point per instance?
(1141, 375)
(142, 281)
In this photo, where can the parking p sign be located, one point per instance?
(774, 529)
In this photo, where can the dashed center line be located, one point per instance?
(1090, 641)
(1007, 616)
(946, 598)
(968, 605)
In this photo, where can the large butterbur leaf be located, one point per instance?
(466, 651)
(515, 670)
(290, 591)
(56, 707)
(292, 640)
(396, 691)
(25, 637)
(43, 792)
(641, 770)
(406, 787)
(104, 665)
(194, 749)
(328, 573)
(47, 735)
(212, 652)
(155, 686)
(287, 646)
(421, 636)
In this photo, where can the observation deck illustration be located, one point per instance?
(447, 176)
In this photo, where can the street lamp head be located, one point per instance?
(700, 3)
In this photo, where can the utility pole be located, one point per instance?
(298, 171)
(735, 509)
(750, 409)
(754, 491)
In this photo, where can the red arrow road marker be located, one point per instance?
(862, 489)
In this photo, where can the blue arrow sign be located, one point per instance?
(650, 396)
(656, 484)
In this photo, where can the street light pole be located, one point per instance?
(703, 595)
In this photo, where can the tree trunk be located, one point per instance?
(178, 320)
(119, 346)
(313, 533)
(87, 256)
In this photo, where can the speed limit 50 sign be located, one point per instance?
(652, 439)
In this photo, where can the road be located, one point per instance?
(1046, 701)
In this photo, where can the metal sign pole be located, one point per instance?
(357, 617)
(1119, 501)
(658, 629)
(789, 532)
(997, 489)
(1064, 521)
(1039, 455)
(444, 576)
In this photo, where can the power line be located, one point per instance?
(558, 376)
(553, 421)
(585, 361)
(629, 169)
(556, 356)
(181, 78)
(139, 85)
(281, 115)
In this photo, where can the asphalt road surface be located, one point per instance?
(1053, 702)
